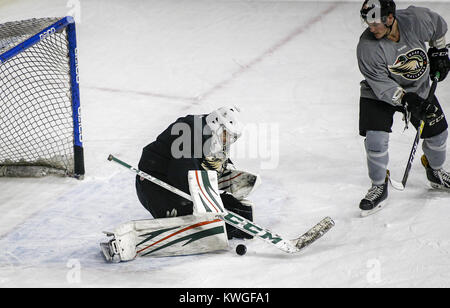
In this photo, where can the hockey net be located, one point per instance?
(36, 111)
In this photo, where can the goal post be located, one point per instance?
(40, 119)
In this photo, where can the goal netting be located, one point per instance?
(40, 128)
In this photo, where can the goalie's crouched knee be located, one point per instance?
(241, 208)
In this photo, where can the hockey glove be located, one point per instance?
(418, 107)
(217, 164)
(212, 163)
(439, 62)
(241, 208)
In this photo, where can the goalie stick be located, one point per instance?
(401, 185)
(249, 227)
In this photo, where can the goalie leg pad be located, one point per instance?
(122, 246)
(173, 236)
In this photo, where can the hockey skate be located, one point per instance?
(110, 250)
(439, 179)
(373, 201)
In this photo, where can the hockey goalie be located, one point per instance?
(191, 155)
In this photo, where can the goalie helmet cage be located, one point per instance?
(40, 126)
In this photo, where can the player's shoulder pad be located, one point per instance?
(367, 37)
(367, 44)
(414, 14)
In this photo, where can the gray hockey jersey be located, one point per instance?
(387, 65)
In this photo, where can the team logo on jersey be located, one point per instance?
(411, 65)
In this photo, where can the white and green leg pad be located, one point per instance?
(172, 236)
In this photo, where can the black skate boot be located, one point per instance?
(439, 179)
(372, 202)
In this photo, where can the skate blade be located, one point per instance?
(106, 251)
(439, 187)
(108, 254)
(379, 207)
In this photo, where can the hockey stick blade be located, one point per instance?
(243, 224)
(314, 233)
(289, 246)
(396, 185)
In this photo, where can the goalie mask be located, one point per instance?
(225, 127)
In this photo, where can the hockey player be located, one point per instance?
(397, 68)
(179, 227)
(193, 142)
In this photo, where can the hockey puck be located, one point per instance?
(241, 249)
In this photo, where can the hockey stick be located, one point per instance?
(249, 227)
(402, 185)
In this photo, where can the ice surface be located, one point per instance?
(291, 67)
